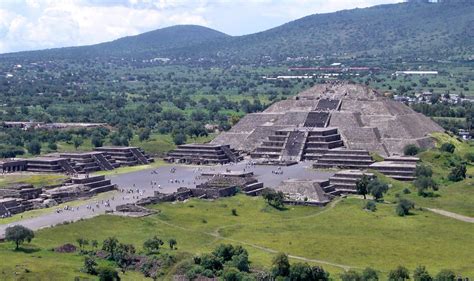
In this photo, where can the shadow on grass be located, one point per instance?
(27, 250)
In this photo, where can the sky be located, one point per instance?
(42, 24)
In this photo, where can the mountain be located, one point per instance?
(405, 29)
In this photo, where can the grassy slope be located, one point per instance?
(345, 234)
(454, 197)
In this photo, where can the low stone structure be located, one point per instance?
(203, 154)
(344, 159)
(305, 192)
(397, 167)
(345, 181)
(126, 156)
(87, 162)
(12, 165)
(20, 198)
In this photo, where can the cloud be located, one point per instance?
(39, 24)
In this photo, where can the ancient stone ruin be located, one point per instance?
(102, 159)
(20, 198)
(203, 154)
(362, 118)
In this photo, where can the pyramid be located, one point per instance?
(364, 119)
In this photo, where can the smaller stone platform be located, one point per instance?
(203, 154)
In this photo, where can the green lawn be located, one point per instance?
(345, 235)
(37, 180)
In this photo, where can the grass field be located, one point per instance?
(345, 236)
(35, 179)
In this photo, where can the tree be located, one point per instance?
(97, 141)
(423, 183)
(172, 242)
(351, 275)
(361, 185)
(369, 274)
(421, 274)
(445, 275)
(274, 198)
(80, 242)
(33, 147)
(19, 234)
(94, 244)
(300, 272)
(107, 273)
(52, 146)
(77, 141)
(152, 245)
(398, 274)
(423, 170)
(411, 150)
(318, 273)
(179, 138)
(280, 265)
(458, 173)
(377, 188)
(110, 245)
(90, 265)
(144, 134)
(403, 207)
(447, 147)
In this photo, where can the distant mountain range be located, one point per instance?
(406, 29)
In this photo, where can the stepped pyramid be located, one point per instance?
(364, 120)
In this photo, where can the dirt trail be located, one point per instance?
(451, 215)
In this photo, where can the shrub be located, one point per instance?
(107, 273)
(447, 147)
(369, 274)
(377, 188)
(398, 274)
(406, 190)
(423, 170)
(421, 274)
(424, 183)
(371, 206)
(411, 150)
(351, 275)
(404, 206)
(470, 157)
(445, 275)
(234, 212)
(458, 173)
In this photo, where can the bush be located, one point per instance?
(458, 173)
(423, 183)
(107, 273)
(369, 274)
(406, 190)
(404, 206)
(351, 275)
(470, 157)
(377, 188)
(445, 275)
(411, 150)
(234, 212)
(423, 170)
(33, 147)
(371, 206)
(421, 274)
(447, 147)
(398, 274)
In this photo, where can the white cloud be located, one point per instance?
(38, 24)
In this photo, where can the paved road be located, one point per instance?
(163, 180)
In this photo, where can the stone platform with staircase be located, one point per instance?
(126, 156)
(203, 154)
